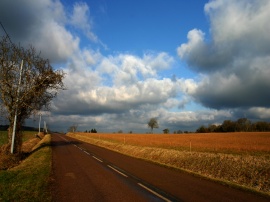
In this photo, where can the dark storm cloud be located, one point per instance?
(235, 62)
(40, 24)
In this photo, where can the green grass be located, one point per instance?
(3, 137)
(26, 136)
(30, 180)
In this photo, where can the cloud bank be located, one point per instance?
(123, 91)
(234, 60)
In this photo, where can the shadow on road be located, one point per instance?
(64, 143)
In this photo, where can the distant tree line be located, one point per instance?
(24, 128)
(180, 132)
(93, 130)
(241, 125)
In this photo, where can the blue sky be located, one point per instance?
(137, 26)
(187, 63)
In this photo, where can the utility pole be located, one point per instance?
(45, 127)
(15, 118)
(39, 125)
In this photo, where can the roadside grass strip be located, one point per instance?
(29, 181)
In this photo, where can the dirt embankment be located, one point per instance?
(8, 160)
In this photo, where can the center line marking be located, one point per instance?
(86, 152)
(64, 138)
(153, 192)
(97, 159)
(117, 171)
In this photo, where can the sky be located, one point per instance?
(186, 63)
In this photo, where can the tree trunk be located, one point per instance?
(17, 139)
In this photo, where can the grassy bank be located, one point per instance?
(29, 180)
(3, 137)
(243, 165)
(26, 136)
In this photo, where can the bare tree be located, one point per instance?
(73, 128)
(153, 124)
(38, 86)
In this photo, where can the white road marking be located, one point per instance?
(153, 192)
(64, 138)
(117, 171)
(143, 186)
(97, 159)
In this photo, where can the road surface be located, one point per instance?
(85, 172)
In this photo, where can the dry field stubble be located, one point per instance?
(240, 158)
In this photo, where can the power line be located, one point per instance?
(6, 32)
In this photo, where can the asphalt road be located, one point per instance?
(85, 172)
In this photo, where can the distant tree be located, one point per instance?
(153, 123)
(93, 130)
(73, 128)
(202, 129)
(243, 125)
(212, 128)
(166, 131)
(120, 131)
(261, 126)
(228, 126)
(179, 132)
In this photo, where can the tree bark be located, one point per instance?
(17, 139)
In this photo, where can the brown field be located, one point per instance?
(251, 142)
(241, 159)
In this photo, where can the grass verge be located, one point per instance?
(242, 171)
(3, 137)
(29, 181)
(26, 136)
